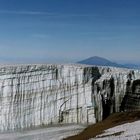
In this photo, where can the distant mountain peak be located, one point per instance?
(96, 60)
(100, 61)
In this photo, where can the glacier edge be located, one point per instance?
(40, 95)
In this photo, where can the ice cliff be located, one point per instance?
(39, 95)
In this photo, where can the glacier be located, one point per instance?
(34, 95)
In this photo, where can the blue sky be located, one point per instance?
(35, 31)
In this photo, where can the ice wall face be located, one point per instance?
(131, 100)
(35, 95)
(38, 95)
(114, 91)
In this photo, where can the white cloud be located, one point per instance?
(24, 12)
(15, 12)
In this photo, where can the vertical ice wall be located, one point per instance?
(131, 100)
(38, 95)
(111, 92)
(34, 95)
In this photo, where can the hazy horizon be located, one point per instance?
(52, 31)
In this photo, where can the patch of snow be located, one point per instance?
(50, 133)
(128, 131)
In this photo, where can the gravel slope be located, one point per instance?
(112, 121)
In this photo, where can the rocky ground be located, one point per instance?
(128, 131)
(122, 126)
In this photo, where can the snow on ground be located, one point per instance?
(51, 133)
(128, 131)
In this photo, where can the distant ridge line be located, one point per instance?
(100, 61)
